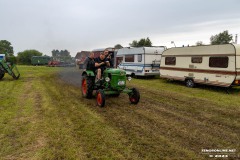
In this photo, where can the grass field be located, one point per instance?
(42, 116)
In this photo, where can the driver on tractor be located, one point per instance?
(101, 63)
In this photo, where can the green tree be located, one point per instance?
(25, 56)
(65, 53)
(148, 42)
(55, 53)
(6, 48)
(141, 43)
(118, 46)
(199, 43)
(134, 43)
(221, 38)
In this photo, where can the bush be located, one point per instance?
(11, 59)
(25, 56)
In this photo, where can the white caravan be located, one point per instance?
(217, 65)
(141, 61)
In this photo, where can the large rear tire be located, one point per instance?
(100, 98)
(134, 97)
(87, 87)
(2, 73)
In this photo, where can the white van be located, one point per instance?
(217, 65)
(140, 61)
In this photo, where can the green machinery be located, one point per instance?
(113, 83)
(6, 67)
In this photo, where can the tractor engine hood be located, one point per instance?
(112, 71)
(117, 79)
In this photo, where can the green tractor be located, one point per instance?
(113, 83)
(6, 67)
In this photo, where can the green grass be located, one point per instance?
(43, 117)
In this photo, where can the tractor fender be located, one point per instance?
(88, 73)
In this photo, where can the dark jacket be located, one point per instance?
(103, 66)
(89, 64)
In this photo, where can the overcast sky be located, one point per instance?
(78, 25)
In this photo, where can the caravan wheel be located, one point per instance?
(189, 83)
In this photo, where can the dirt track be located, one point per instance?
(71, 76)
(164, 123)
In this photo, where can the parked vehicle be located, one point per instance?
(141, 61)
(53, 63)
(217, 65)
(6, 67)
(40, 60)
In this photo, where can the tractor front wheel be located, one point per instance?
(100, 98)
(87, 87)
(134, 97)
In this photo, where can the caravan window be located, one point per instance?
(170, 61)
(139, 58)
(129, 58)
(196, 59)
(218, 62)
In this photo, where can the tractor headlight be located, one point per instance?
(121, 83)
(107, 79)
(129, 78)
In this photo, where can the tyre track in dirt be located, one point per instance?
(164, 121)
(169, 125)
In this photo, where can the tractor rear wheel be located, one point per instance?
(134, 97)
(1, 74)
(87, 87)
(100, 98)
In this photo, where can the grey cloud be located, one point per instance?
(84, 25)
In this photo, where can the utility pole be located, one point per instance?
(236, 37)
(173, 43)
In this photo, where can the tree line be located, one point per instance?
(24, 57)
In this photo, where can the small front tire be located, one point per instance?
(134, 97)
(100, 98)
